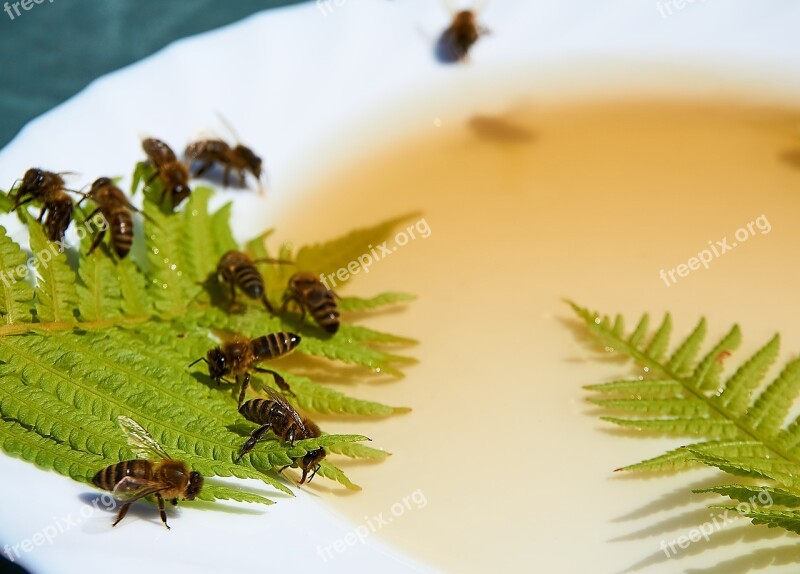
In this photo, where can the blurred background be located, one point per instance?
(56, 48)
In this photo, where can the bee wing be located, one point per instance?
(140, 440)
(131, 488)
(278, 398)
(158, 151)
(224, 336)
(228, 126)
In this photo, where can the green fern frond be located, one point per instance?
(750, 494)
(16, 296)
(741, 419)
(786, 519)
(115, 337)
(382, 300)
(99, 294)
(56, 296)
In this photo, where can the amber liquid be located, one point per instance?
(587, 202)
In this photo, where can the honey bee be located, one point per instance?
(111, 202)
(173, 173)
(240, 158)
(281, 418)
(456, 41)
(154, 472)
(313, 296)
(238, 269)
(238, 356)
(49, 188)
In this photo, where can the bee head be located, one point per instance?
(180, 191)
(99, 183)
(310, 461)
(252, 160)
(302, 281)
(217, 363)
(194, 486)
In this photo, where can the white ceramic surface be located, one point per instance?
(311, 90)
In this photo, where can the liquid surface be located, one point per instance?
(586, 202)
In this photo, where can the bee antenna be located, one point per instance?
(198, 360)
(228, 126)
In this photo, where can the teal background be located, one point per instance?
(52, 51)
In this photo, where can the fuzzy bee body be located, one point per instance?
(47, 187)
(113, 205)
(238, 269)
(155, 474)
(457, 40)
(173, 174)
(238, 356)
(313, 297)
(276, 415)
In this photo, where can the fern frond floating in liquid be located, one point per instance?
(84, 345)
(739, 421)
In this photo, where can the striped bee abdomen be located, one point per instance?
(121, 225)
(322, 306)
(249, 280)
(108, 478)
(275, 345)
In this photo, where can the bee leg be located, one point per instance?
(313, 474)
(41, 214)
(150, 179)
(302, 320)
(267, 304)
(122, 512)
(285, 306)
(226, 176)
(245, 384)
(232, 305)
(161, 510)
(21, 203)
(174, 502)
(242, 179)
(279, 380)
(203, 168)
(97, 241)
(255, 436)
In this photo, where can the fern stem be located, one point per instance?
(659, 369)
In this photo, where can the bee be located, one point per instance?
(281, 418)
(240, 158)
(456, 41)
(154, 472)
(238, 269)
(112, 204)
(239, 355)
(173, 173)
(313, 296)
(49, 188)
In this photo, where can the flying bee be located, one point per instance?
(49, 188)
(172, 172)
(238, 356)
(238, 269)
(115, 208)
(154, 472)
(312, 295)
(456, 41)
(239, 158)
(281, 418)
